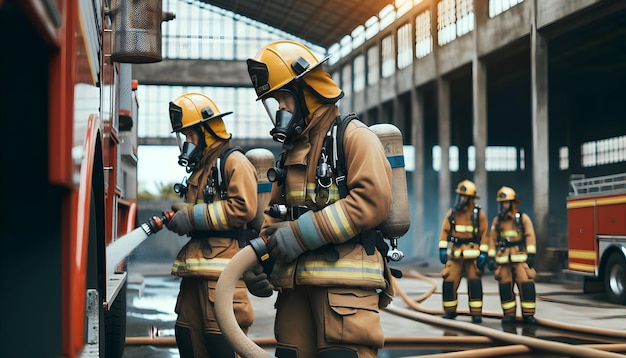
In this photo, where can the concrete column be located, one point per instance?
(417, 135)
(479, 106)
(540, 158)
(443, 104)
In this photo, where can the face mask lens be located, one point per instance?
(271, 106)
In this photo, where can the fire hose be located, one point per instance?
(224, 291)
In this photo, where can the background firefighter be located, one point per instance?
(463, 246)
(512, 242)
(327, 270)
(220, 198)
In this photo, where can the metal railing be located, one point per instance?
(607, 184)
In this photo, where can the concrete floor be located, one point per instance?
(152, 295)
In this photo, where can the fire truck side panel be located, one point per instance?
(581, 235)
(612, 217)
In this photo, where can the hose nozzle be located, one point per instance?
(155, 223)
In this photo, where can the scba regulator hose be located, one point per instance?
(243, 261)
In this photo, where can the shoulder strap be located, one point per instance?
(340, 164)
(476, 221)
(221, 162)
(519, 223)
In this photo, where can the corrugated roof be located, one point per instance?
(321, 22)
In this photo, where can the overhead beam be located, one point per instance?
(183, 72)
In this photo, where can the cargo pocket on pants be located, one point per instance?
(353, 317)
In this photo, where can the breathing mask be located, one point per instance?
(286, 124)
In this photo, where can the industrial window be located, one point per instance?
(496, 7)
(405, 48)
(249, 119)
(604, 151)
(359, 73)
(388, 57)
(455, 18)
(346, 79)
(453, 158)
(372, 65)
(563, 158)
(500, 159)
(423, 36)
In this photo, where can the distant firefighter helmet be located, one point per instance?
(193, 108)
(467, 187)
(507, 194)
(195, 111)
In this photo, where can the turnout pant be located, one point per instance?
(451, 274)
(520, 274)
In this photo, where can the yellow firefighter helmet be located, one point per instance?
(282, 62)
(467, 187)
(507, 194)
(194, 108)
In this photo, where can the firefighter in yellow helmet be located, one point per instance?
(327, 269)
(513, 244)
(220, 197)
(463, 246)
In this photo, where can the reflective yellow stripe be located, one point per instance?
(528, 304)
(519, 257)
(339, 222)
(508, 233)
(484, 248)
(502, 259)
(197, 265)
(296, 194)
(507, 305)
(491, 253)
(217, 215)
(340, 269)
(476, 304)
(471, 254)
(464, 228)
(581, 254)
(333, 192)
(443, 244)
(581, 267)
(531, 249)
(450, 303)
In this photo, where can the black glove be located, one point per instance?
(491, 264)
(443, 256)
(181, 222)
(530, 260)
(257, 282)
(481, 260)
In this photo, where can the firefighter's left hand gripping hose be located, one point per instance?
(156, 223)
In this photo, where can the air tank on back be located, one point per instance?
(262, 159)
(399, 219)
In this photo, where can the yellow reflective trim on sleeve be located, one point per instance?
(507, 305)
(491, 253)
(484, 248)
(217, 215)
(450, 303)
(443, 244)
(526, 304)
(531, 249)
(471, 254)
(339, 222)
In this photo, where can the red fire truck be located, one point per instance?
(596, 214)
(68, 111)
